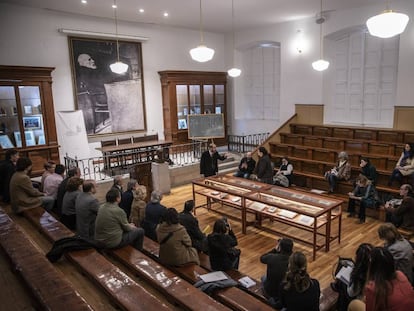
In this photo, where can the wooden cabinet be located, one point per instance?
(191, 92)
(27, 115)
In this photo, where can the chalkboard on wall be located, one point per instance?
(205, 126)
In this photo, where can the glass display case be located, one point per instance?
(285, 208)
(27, 120)
(191, 92)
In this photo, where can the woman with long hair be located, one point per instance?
(387, 289)
(299, 292)
(364, 192)
(400, 248)
(405, 164)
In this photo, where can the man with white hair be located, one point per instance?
(85, 60)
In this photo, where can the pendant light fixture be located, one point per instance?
(201, 53)
(387, 24)
(117, 67)
(233, 72)
(320, 64)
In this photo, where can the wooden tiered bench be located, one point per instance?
(47, 284)
(164, 280)
(122, 289)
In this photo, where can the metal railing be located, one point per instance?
(244, 143)
(102, 168)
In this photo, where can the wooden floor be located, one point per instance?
(255, 243)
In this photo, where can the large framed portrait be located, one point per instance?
(110, 102)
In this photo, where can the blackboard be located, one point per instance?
(205, 126)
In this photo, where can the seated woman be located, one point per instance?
(365, 193)
(368, 170)
(286, 170)
(341, 171)
(358, 277)
(387, 289)
(399, 247)
(175, 243)
(221, 247)
(138, 205)
(190, 222)
(299, 292)
(127, 197)
(404, 166)
(73, 189)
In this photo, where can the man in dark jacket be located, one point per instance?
(277, 264)
(246, 166)
(187, 219)
(7, 169)
(208, 161)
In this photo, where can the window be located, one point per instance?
(261, 80)
(361, 83)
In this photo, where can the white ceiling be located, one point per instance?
(185, 13)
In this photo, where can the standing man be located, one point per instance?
(208, 161)
(7, 169)
(246, 166)
(402, 215)
(22, 193)
(112, 229)
(277, 261)
(86, 206)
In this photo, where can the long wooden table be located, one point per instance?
(129, 154)
(303, 210)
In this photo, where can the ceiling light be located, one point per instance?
(117, 67)
(233, 72)
(141, 10)
(320, 64)
(201, 53)
(387, 24)
(84, 1)
(165, 14)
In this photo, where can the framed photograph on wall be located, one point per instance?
(32, 123)
(5, 142)
(110, 102)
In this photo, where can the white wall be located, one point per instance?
(30, 37)
(300, 84)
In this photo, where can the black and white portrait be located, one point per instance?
(110, 102)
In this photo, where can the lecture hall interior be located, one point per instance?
(116, 88)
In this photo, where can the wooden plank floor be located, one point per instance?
(253, 244)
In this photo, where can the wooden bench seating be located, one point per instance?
(347, 144)
(303, 165)
(374, 134)
(47, 284)
(233, 297)
(164, 280)
(331, 155)
(124, 291)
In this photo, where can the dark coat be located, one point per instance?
(7, 169)
(208, 163)
(153, 214)
(251, 164)
(60, 247)
(264, 169)
(126, 202)
(277, 264)
(370, 172)
(190, 223)
(218, 249)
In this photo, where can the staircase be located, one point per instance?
(184, 174)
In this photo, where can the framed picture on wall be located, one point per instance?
(110, 102)
(32, 123)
